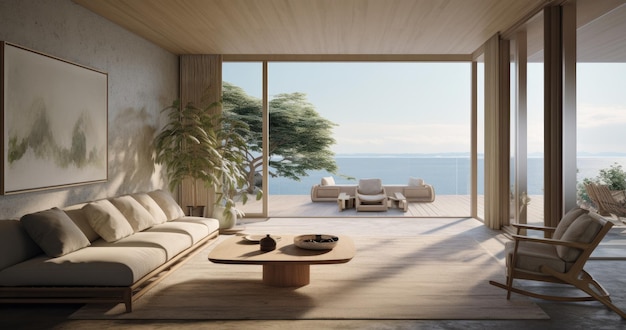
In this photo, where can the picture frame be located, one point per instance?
(54, 122)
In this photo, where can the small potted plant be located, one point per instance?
(207, 148)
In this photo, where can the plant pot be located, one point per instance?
(196, 211)
(225, 222)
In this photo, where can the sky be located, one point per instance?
(408, 107)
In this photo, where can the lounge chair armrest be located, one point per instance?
(534, 227)
(550, 241)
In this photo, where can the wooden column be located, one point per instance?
(553, 117)
(200, 84)
(496, 133)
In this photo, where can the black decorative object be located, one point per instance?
(268, 243)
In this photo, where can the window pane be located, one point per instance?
(242, 95)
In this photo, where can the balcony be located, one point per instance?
(281, 206)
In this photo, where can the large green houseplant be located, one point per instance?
(208, 148)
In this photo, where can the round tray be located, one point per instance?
(316, 241)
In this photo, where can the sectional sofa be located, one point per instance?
(414, 191)
(109, 250)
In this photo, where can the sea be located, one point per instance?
(448, 175)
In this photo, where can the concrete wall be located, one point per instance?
(142, 79)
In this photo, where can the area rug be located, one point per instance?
(391, 277)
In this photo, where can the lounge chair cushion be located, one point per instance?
(532, 255)
(370, 186)
(372, 199)
(54, 232)
(567, 221)
(328, 181)
(583, 230)
(107, 220)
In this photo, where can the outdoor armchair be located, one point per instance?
(371, 196)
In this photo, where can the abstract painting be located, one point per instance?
(54, 122)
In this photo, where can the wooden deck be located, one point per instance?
(443, 206)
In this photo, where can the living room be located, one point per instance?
(143, 78)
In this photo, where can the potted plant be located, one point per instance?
(208, 149)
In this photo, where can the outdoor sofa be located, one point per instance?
(416, 190)
(109, 250)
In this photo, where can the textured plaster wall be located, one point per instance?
(142, 80)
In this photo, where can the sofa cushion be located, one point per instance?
(171, 243)
(137, 215)
(54, 232)
(413, 182)
(583, 230)
(567, 221)
(91, 266)
(328, 181)
(169, 206)
(107, 220)
(151, 205)
(15, 244)
(196, 228)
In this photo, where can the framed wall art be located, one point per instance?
(54, 122)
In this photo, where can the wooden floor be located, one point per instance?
(443, 206)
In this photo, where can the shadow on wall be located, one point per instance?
(131, 153)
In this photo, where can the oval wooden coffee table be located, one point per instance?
(286, 266)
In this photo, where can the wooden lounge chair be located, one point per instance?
(605, 202)
(559, 259)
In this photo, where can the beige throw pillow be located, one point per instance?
(169, 206)
(151, 205)
(137, 215)
(107, 220)
(54, 232)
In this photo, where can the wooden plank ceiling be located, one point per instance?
(278, 27)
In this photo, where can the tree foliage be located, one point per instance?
(614, 177)
(299, 138)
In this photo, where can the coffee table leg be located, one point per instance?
(281, 274)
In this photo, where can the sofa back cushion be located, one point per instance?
(15, 244)
(137, 215)
(54, 232)
(415, 182)
(107, 220)
(169, 206)
(328, 181)
(567, 221)
(583, 230)
(151, 206)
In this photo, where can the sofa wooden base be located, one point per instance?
(125, 295)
